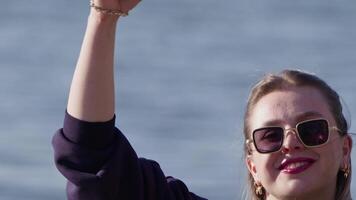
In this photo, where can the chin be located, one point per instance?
(295, 189)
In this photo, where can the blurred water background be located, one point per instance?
(186, 68)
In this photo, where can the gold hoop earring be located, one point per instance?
(346, 171)
(258, 188)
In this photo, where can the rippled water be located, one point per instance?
(184, 76)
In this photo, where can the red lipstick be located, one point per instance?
(295, 165)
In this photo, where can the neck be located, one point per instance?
(322, 194)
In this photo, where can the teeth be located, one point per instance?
(295, 165)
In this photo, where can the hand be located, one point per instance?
(122, 5)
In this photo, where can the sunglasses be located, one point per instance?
(312, 133)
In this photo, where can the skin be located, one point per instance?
(91, 96)
(286, 108)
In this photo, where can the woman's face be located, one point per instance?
(297, 171)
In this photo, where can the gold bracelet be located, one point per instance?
(107, 11)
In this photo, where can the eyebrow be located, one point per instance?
(298, 118)
(307, 115)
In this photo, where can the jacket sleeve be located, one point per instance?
(100, 164)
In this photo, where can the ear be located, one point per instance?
(251, 166)
(346, 150)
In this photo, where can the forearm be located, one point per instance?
(91, 96)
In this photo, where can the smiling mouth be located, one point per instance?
(295, 166)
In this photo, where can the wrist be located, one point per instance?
(103, 13)
(102, 17)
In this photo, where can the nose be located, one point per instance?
(291, 142)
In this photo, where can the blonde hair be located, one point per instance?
(282, 81)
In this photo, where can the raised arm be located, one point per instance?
(94, 156)
(91, 96)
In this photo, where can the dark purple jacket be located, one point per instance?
(100, 164)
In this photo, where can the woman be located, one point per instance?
(99, 163)
(297, 144)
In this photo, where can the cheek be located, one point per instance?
(265, 167)
(332, 150)
(331, 158)
(332, 153)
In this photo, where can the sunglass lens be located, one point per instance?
(314, 133)
(268, 139)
